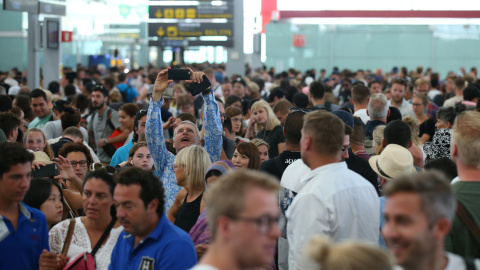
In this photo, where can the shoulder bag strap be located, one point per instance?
(470, 264)
(104, 236)
(467, 218)
(68, 238)
(109, 119)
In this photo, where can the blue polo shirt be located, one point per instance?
(21, 249)
(121, 154)
(167, 247)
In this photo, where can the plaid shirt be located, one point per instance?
(432, 110)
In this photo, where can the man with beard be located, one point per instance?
(185, 134)
(418, 215)
(346, 205)
(102, 122)
(398, 101)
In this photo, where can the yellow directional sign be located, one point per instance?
(172, 31)
(168, 13)
(160, 31)
(180, 13)
(191, 13)
(158, 14)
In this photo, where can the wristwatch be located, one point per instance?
(105, 141)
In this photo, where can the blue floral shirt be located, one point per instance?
(163, 159)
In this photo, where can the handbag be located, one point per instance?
(85, 260)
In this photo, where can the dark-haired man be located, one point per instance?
(39, 105)
(23, 230)
(317, 96)
(398, 89)
(128, 92)
(103, 122)
(9, 124)
(149, 240)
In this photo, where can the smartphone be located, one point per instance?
(197, 88)
(178, 74)
(48, 170)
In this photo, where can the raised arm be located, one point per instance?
(213, 127)
(154, 130)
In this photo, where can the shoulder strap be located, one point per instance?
(279, 163)
(470, 264)
(104, 236)
(467, 218)
(68, 238)
(124, 93)
(109, 119)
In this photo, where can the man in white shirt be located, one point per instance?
(418, 215)
(334, 200)
(360, 98)
(398, 101)
(243, 220)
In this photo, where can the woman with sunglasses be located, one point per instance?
(190, 166)
(100, 219)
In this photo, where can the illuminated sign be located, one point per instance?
(191, 12)
(175, 30)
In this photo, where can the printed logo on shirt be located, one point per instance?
(147, 263)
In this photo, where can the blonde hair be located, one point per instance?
(254, 90)
(412, 123)
(47, 149)
(226, 197)
(259, 142)
(465, 135)
(272, 120)
(196, 161)
(378, 138)
(349, 255)
(181, 88)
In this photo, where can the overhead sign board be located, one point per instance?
(53, 9)
(175, 30)
(191, 12)
(166, 42)
(21, 5)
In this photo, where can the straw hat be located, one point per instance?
(42, 156)
(393, 162)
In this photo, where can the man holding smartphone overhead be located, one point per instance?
(186, 133)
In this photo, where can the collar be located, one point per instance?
(156, 234)
(4, 231)
(338, 166)
(48, 116)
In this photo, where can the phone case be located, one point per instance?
(197, 88)
(178, 74)
(48, 170)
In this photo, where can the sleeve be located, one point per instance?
(213, 128)
(49, 129)
(170, 258)
(90, 119)
(155, 140)
(85, 134)
(44, 235)
(56, 236)
(115, 119)
(280, 138)
(302, 224)
(116, 159)
(133, 93)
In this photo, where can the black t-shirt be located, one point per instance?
(286, 158)
(273, 138)
(362, 167)
(428, 127)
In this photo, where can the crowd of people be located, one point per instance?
(289, 170)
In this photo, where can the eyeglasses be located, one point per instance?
(224, 115)
(295, 109)
(264, 223)
(99, 166)
(174, 166)
(83, 163)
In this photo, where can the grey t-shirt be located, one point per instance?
(98, 125)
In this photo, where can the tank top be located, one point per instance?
(188, 213)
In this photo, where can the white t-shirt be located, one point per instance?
(204, 267)
(456, 262)
(362, 113)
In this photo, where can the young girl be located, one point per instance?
(35, 140)
(267, 127)
(262, 147)
(126, 117)
(140, 157)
